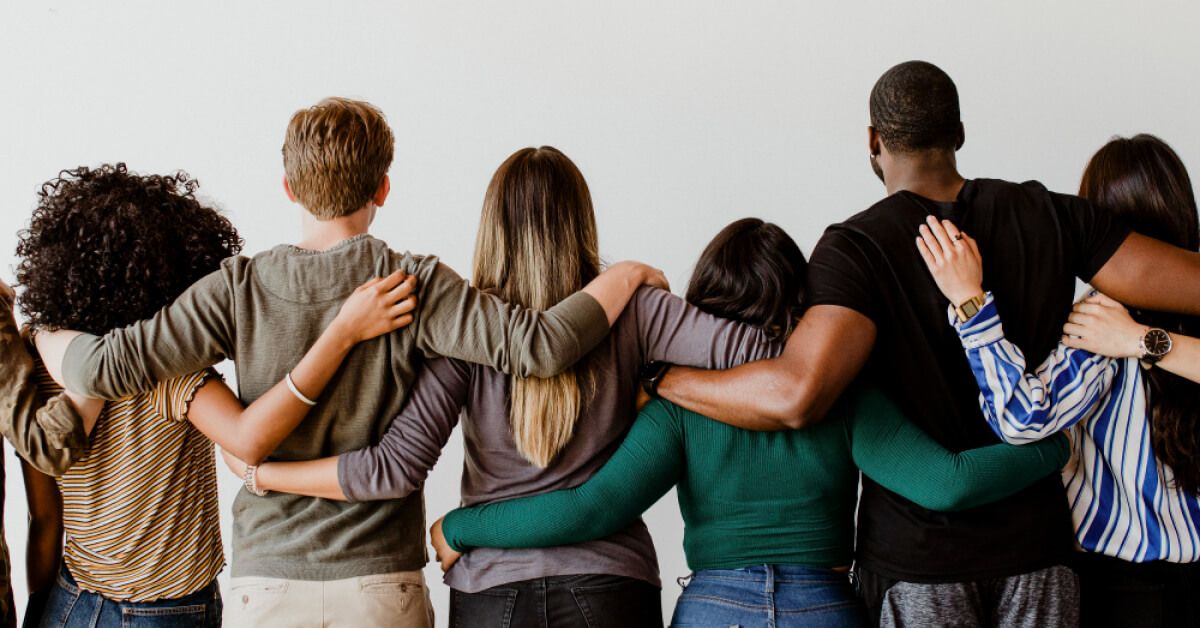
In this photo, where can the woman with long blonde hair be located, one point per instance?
(537, 244)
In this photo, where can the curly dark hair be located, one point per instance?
(107, 247)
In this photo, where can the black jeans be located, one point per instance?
(1114, 592)
(587, 601)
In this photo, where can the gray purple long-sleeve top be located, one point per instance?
(656, 326)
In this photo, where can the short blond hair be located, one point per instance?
(336, 155)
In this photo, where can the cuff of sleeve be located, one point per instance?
(345, 469)
(62, 425)
(982, 329)
(451, 529)
(588, 315)
(75, 374)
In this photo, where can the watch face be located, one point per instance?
(970, 308)
(1157, 342)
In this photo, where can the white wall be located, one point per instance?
(683, 115)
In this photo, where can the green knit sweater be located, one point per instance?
(754, 498)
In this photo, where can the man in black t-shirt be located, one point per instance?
(873, 304)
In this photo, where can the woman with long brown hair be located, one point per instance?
(1117, 386)
(537, 243)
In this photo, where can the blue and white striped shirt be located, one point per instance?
(1123, 500)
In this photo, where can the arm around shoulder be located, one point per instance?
(826, 351)
(462, 322)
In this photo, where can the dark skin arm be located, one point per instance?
(823, 355)
(44, 551)
(1147, 274)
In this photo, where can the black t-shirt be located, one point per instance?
(1034, 244)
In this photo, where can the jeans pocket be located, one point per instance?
(63, 599)
(491, 608)
(190, 616)
(624, 602)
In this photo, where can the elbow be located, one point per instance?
(795, 407)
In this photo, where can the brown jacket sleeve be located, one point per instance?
(44, 429)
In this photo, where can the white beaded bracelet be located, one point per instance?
(296, 391)
(250, 480)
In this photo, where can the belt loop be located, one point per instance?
(770, 578)
(684, 581)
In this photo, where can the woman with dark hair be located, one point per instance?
(1119, 386)
(107, 247)
(769, 516)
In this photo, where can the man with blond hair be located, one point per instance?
(302, 561)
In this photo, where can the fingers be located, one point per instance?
(387, 284)
(403, 290)
(973, 247)
(1103, 300)
(1080, 318)
(926, 255)
(404, 306)
(952, 232)
(1087, 307)
(1074, 329)
(402, 321)
(934, 246)
(939, 232)
(1073, 342)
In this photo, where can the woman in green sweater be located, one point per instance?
(769, 516)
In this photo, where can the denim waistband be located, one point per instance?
(203, 596)
(773, 573)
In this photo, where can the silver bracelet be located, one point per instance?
(296, 391)
(250, 480)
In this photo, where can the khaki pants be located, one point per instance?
(399, 600)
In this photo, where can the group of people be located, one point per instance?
(917, 426)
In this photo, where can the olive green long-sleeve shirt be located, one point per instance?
(264, 313)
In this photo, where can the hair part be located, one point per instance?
(537, 245)
(753, 272)
(1144, 182)
(336, 154)
(914, 107)
(106, 247)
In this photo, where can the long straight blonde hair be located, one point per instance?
(537, 245)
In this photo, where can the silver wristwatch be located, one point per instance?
(1155, 346)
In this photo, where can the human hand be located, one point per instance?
(643, 274)
(234, 463)
(952, 258)
(442, 551)
(378, 306)
(1104, 327)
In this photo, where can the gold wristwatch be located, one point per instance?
(970, 307)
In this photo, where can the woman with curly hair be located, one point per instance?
(1119, 386)
(105, 248)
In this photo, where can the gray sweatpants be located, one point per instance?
(1045, 598)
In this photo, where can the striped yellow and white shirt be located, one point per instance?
(140, 508)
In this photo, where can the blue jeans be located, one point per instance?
(768, 596)
(72, 607)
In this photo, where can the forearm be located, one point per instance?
(186, 336)
(822, 356)
(757, 396)
(314, 478)
(1184, 358)
(900, 457)
(266, 422)
(44, 428)
(1023, 407)
(1136, 273)
(641, 471)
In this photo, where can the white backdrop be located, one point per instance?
(682, 115)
